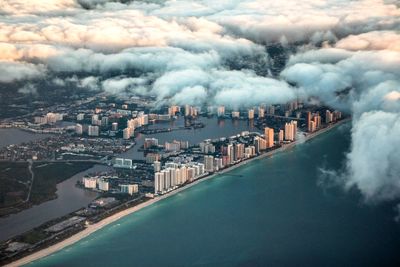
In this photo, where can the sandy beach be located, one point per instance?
(94, 227)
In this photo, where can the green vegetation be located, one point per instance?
(49, 175)
(14, 184)
(33, 237)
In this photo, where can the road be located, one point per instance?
(32, 179)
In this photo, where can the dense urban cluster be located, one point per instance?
(104, 131)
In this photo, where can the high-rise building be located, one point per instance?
(158, 182)
(152, 157)
(207, 148)
(261, 112)
(80, 117)
(95, 119)
(103, 185)
(269, 136)
(313, 126)
(172, 146)
(209, 163)
(90, 182)
(157, 166)
(150, 142)
(78, 129)
(309, 118)
(173, 110)
(280, 136)
(328, 116)
(129, 188)
(260, 144)
(239, 152)
(127, 133)
(221, 111)
(250, 114)
(291, 131)
(104, 121)
(114, 126)
(271, 110)
(230, 153)
(93, 130)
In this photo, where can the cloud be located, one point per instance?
(375, 40)
(373, 159)
(122, 84)
(11, 71)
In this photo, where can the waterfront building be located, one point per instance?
(90, 182)
(173, 146)
(250, 114)
(328, 116)
(313, 126)
(235, 114)
(190, 111)
(40, 120)
(150, 142)
(260, 144)
(269, 136)
(230, 152)
(337, 115)
(158, 182)
(221, 111)
(309, 118)
(123, 163)
(190, 174)
(173, 110)
(129, 188)
(163, 117)
(53, 117)
(290, 131)
(239, 152)
(209, 163)
(103, 185)
(248, 152)
(317, 120)
(218, 163)
(184, 144)
(280, 136)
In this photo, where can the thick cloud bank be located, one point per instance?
(224, 52)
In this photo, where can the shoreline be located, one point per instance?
(99, 225)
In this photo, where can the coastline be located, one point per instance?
(97, 226)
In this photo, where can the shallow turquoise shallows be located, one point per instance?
(271, 212)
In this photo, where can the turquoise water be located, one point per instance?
(272, 212)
